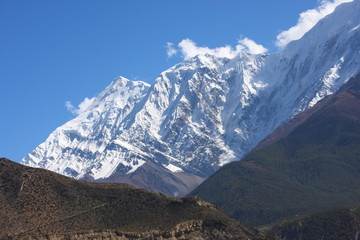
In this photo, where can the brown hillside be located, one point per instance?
(39, 204)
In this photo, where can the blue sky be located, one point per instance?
(54, 51)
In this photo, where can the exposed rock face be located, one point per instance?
(189, 230)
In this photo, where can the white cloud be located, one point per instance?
(69, 107)
(250, 46)
(307, 20)
(189, 49)
(81, 107)
(170, 50)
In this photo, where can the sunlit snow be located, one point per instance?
(206, 111)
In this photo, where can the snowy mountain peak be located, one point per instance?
(122, 82)
(202, 113)
(71, 147)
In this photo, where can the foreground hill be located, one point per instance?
(314, 166)
(40, 204)
(335, 224)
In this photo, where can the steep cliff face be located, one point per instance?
(204, 112)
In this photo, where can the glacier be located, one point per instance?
(201, 113)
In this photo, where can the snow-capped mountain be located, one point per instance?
(82, 143)
(203, 112)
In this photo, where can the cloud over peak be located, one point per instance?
(251, 46)
(306, 21)
(81, 107)
(188, 49)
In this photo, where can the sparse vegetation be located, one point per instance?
(39, 204)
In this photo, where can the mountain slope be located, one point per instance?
(334, 224)
(315, 167)
(204, 112)
(44, 205)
